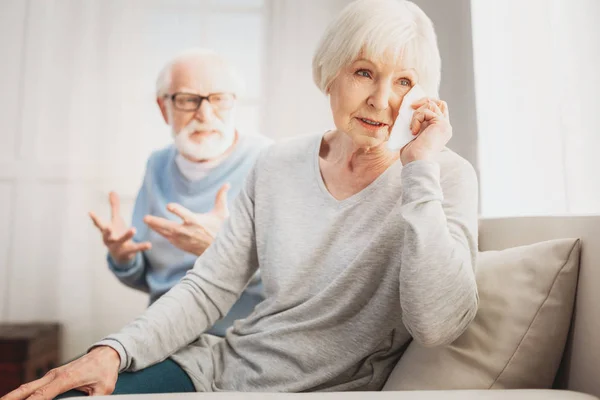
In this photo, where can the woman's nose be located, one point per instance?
(380, 98)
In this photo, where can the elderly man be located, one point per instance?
(183, 199)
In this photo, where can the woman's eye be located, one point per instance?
(364, 73)
(405, 82)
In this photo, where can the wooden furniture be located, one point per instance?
(27, 352)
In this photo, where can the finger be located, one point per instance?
(97, 221)
(437, 110)
(49, 392)
(59, 384)
(432, 105)
(444, 107)
(182, 212)
(107, 234)
(161, 225)
(221, 200)
(136, 248)
(420, 117)
(167, 233)
(418, 103)
(115, 205)
(124, 237)
(438, 106)
(26, 390)
(435, 107)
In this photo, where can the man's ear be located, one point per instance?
(163, 109)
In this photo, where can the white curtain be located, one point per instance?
(76, 111)
(537, 88)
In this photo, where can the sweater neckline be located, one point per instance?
(328, 197)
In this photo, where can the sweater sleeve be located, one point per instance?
(133, 274)
(439, 208)
(202, 297)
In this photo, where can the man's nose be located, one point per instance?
(204, 111)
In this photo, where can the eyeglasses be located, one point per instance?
(192, 102)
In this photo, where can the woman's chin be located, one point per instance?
(369, 139)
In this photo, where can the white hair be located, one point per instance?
(163, 82)
(374, 29)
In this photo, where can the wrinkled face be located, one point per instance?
(365, 98)
(209, 131)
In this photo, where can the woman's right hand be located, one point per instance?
(94, 374)
(116, 236)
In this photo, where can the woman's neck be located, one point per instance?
(338, 148)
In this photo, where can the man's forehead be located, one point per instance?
(201, 78)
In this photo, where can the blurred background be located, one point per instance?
(78, 118)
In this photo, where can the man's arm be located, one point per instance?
(202, 297)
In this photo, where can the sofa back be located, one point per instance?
(580, 368)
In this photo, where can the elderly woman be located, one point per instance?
(361, 249)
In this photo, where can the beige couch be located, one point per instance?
(579, 375)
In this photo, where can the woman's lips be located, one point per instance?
(371, 126)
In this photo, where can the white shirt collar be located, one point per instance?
(194, 171)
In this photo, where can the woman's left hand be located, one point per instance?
(431, 122)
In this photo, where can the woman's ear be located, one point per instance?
(331, 83)
(329, 86)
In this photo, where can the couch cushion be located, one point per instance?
(518, 335)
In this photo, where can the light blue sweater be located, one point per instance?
(156, 270)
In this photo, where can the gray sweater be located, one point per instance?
(347, 283)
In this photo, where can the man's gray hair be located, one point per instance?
(374, 29)
(163, 82)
